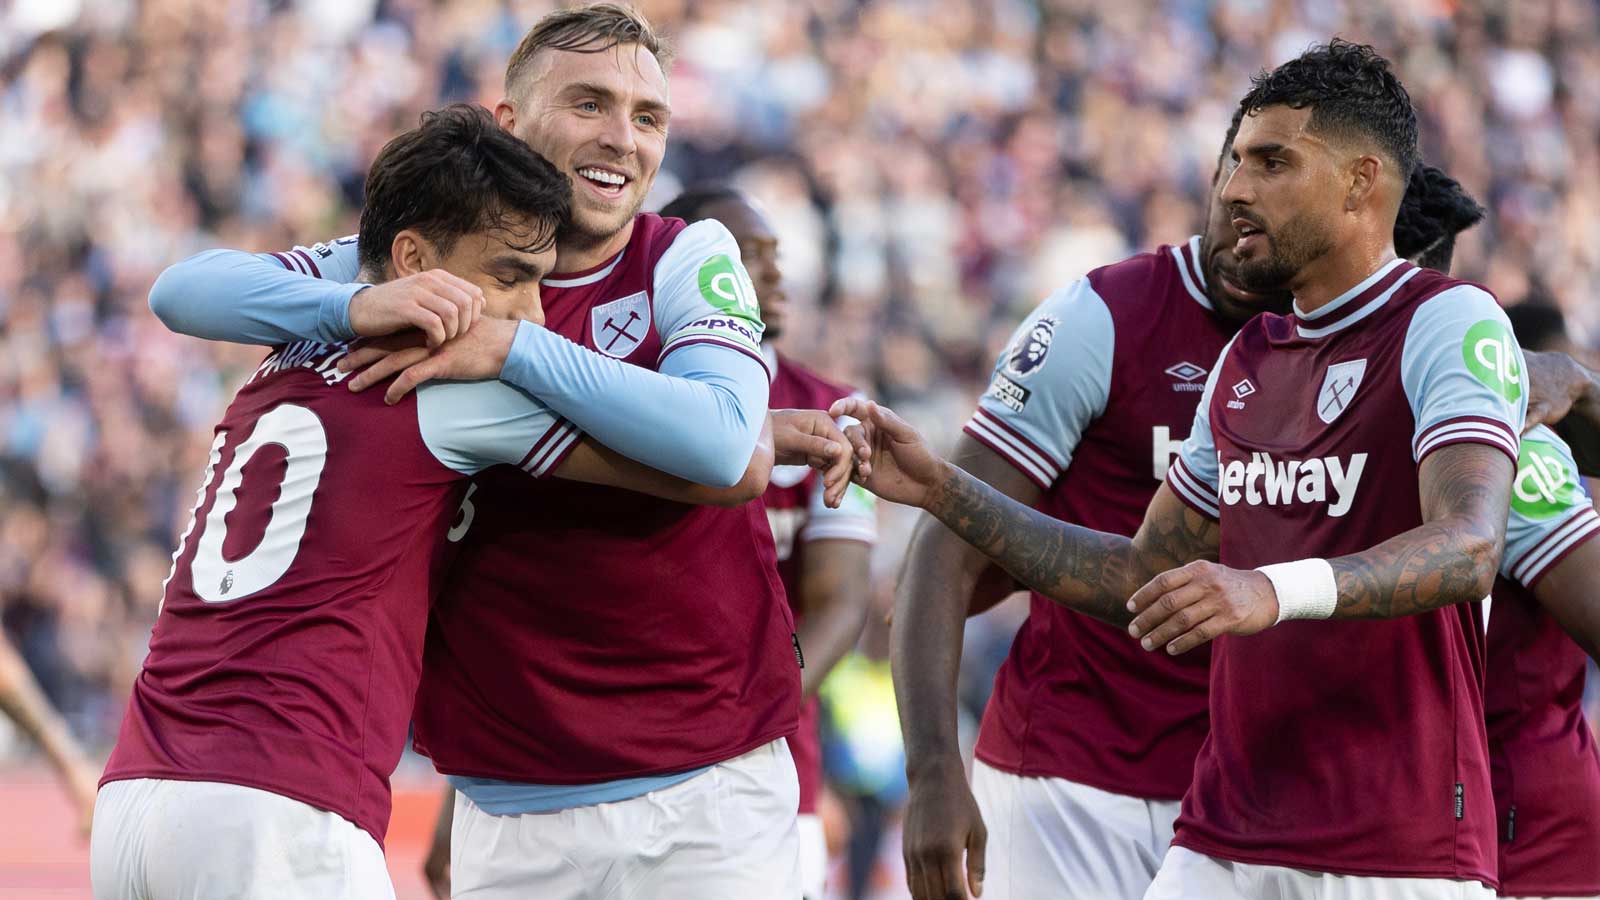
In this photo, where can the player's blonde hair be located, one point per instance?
(586, 29)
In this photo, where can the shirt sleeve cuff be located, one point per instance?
(333, 318)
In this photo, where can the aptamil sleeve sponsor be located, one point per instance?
(703, 295)
(1463, 373)
(1049, 384)
(1193, 476)
(472, 425)
(1551, 512)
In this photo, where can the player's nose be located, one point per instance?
(616, 134)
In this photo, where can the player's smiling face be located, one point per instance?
(1280, 198)
(602, 119)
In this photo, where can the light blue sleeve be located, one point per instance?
(701, 293)
(1463, 373)
(472, 425)
(1049, 384)
(1551, 511)
(1193, 475)
(266, 298)
(698, 418)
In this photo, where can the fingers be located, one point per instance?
(1172, 615)
(387, 366)
(407, 381)
(977, 841)
(1170, 580)
(1201, 634)
(854, 407)
(861, 445)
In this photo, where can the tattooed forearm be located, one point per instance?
(1451, 558)
(1090, 571)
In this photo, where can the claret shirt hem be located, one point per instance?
(565, 777)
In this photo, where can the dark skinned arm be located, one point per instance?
(1568, 592)
(932, 602)
(1566, 396)
(835, 594)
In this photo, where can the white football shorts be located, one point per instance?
(813, 857)
(1049, 837)
(728, 833)
(1187, 875)
(160, 839)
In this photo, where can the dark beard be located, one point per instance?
(1291, 249)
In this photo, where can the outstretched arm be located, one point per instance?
(1089, 571)
(25, 704)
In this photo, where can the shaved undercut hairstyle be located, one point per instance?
(1436, 208)
(586, 29)
(1350, 90)
(460, 173)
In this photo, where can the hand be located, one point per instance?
(477, 355)
(900, 465)
(436, 865)
(1555, 383)
(810, 437)
(439, 304)
(83, 784)
(942, 823)
(1184, 608)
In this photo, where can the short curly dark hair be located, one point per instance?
(1350, 90)
(1436, 208)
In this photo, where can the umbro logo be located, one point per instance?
(1188, 375)
(1240, 391)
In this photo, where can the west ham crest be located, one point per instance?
(621, 325)
(1339, 389)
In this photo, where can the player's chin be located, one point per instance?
(601, 220)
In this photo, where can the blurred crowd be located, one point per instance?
(935, 167)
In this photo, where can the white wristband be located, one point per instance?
(1306, 588)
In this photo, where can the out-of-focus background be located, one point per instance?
(935, 168)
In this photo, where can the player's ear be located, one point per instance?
(505, 115)
(1364, 174)
(409, 254)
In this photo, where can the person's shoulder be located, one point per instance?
(654, 235)
(808, 383)
(1150, 276)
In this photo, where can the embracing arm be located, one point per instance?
(1566, 396)
(595, 463)
(1569, 594)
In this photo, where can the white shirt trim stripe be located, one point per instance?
(1349, 295)
(1360, 314)
(1015, 453)
(582, 280)
(1537, 561)
(1184, 484)
(1473, 433)
(556, 449)
(1191, 273)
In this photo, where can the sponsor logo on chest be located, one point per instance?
(619, 327)
(1266, 480)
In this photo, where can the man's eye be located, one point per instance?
(1273, 164)
(507, 282)
(647, 120)
(589, 106)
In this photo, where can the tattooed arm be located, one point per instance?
(1085, 570)
(1089, 571)
(1450, 558)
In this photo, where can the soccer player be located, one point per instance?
(1087, 742)
(274, 702)
(823, 552)
(1353, 460)
(608, 677)
(1545, 615)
